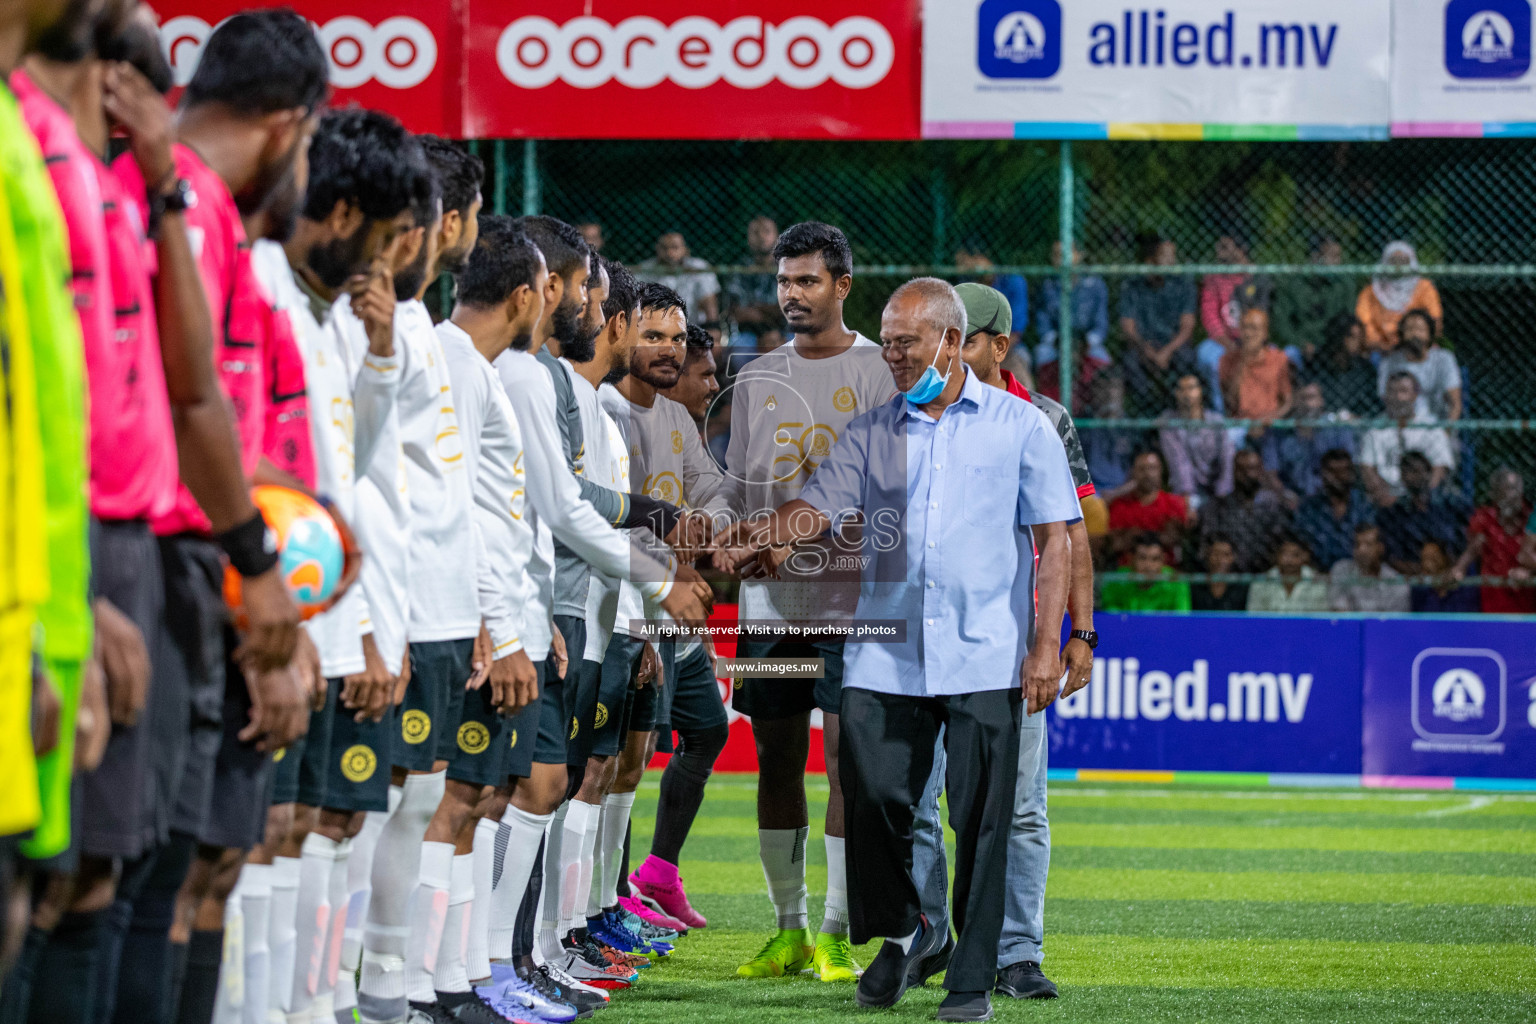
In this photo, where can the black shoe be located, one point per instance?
(921, 970)
(473, 1011)
(1023, 980)
(429, 1013)
(585, 1002)
(966, 1006)
(885, 979)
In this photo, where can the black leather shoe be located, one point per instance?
(966, 1006)
(1024, 980)
(928, 966)
(885, 979)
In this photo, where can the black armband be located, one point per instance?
(250, 547)
(652, 513)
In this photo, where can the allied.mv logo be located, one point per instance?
(1018, 38)
(1459, 694)
(1487, 38)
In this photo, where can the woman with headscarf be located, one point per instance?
(1383, 302)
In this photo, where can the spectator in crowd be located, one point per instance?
(1382, 450)
(685, 274)
(1434, 367)
(1293, 457)
(1383, 302)
(592, 231)
(1157, 318)
(1251, 515)
(1445, 595)
(1305, 305)
(1109, 449)
(1255, 376)
(1148, 559)
(1426, 511)
(1364, 582)
(1494, 537)
(1291, 585)
(1328, 519)
(1224, 300)
(1090, 327)
(1215, 596)
(1525, 562)
(1343, 367)
(1148, 508)
(975, 265)
(1196, 445)
(752, 299)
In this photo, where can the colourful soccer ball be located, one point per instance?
(312, 555)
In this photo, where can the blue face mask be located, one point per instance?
(930, 384)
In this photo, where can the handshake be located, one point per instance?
(742, 548)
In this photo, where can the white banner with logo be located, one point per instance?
(1190, 69)
(1462, 67)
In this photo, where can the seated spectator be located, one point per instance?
(1382, 449)
(1426, 511)
(1365, 583)
(1294, 456)
(1148, 509)
(976, 265)
(592, 231)
(1328, 519)
(687, 275)
(1145, 595)
(1157, 318)
(1090, 327)
(1255, 376)
(1435, 369)
(1109, 449)
(1199, 457)
(1344, 369)
(1224, 299)
(1251, 516)
(1383, 302)
(1495, 535)
(1445, 595)
(1291, 585)
(1214, 596)
(1304, 306)
(752, 299)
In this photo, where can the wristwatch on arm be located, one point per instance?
(1087, 636)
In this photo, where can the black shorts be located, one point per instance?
(480, 751)
(357, 769)
(434, 702)
(650, 706)
(614, 687)
(114, 806)
(242, 774)
(522, 731)
(300, 770)
(696, 702)
(770, 699)
(574, 630)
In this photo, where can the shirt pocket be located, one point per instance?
(988, 493)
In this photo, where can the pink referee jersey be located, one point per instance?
(286, 441)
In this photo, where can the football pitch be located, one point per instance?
(1170, 904)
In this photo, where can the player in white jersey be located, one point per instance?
(788, 409)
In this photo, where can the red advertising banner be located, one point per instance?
(390, 55)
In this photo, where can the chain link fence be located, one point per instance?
(1296, 229)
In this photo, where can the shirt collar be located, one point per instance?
(971, 391)
(1012, 386)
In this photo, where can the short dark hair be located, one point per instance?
(562, 245)
(1415, 456)
(1366, 528)
(700, 342)
(503, 260)
(1404, 374)
(658, 298)
(1148, 243)
(137, 44)
(366, 159)
(1219, 538)
(1335, 455)
(623, 290)
(812, 236)
(426, 208)
(1418, 314)
(1148, 539)
(259, 62)
(459, 173)
(1289, 537)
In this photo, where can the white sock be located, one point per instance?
(610, 850)
(782, 851)
(834, 920)
(548, 937)
(429, 916)
(323, 1007)
(576, 863)
(230, 999)
(524, 831)
(396, 867)
(905, 942)
(312, 920)
(359, 892)
(477, 949)
(282, 932)
(451, 974)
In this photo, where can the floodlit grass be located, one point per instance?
(1177, 905)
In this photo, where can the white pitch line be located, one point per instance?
(1473, 804)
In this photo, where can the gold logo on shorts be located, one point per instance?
(281, 753)
(473, 737)
(359, 763)
(574, 726)
(415, 726)
(514, 739)
(602, 715)
(843, 399)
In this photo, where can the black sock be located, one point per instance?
(623, 887)
(452, 999)
(682, 790)
(17, 993)
(114, 931)
(525, 926)
(148, 983)
(68, 970)
(200, 990)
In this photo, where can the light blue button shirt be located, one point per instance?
(947, 506)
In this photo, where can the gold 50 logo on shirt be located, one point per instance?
(519, 495)
(343, 424)
(806, 448)
(448, 445)
(666, 486)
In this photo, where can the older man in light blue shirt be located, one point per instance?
(955, 487)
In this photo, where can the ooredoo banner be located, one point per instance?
(686, 69)
(1463, 68)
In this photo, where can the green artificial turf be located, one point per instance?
(1169, 904)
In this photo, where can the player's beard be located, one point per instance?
(583, 349)
(340, 258)
(659, 380)
(565, 322)
(521, 341)
(409, 281)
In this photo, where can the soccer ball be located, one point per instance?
(312, 554)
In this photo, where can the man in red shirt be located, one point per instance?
(1148, 509)
(1493, 541)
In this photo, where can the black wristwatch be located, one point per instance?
(1087, 636)
(177, 199)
